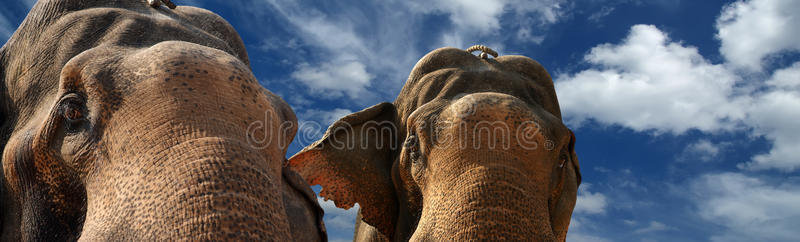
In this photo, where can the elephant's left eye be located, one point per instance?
(562, 160)
(412, 144)
(73, 110)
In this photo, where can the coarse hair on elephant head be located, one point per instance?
(124, 121)
(472, 148)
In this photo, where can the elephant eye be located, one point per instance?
(412, 144)
(562, 160)
(73, 110)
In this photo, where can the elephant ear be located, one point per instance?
(575, 164)
(353, 162)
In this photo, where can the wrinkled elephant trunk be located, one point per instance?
(201, 189)
(485, 203)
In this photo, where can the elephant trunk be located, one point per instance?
(201, 189)
(485, 203)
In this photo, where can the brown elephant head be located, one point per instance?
(121, 121)
(472, 148)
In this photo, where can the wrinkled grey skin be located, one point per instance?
(121, 121)
(472, 149)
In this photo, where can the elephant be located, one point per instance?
(127, 120)
(472, 148)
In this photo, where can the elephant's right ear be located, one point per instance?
(353, 163)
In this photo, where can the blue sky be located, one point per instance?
(685, 112)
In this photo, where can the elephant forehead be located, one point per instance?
(69, 33)
(449, 73)
(455, 83)
(55, 32)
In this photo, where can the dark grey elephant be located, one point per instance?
(473, 148)
(123, 121)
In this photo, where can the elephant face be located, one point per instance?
(472, 148)
(123, 121)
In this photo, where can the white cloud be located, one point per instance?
(750, 208)
(654, 226)
(775, 115)
(648, 82)
(334, 79)
(752, 30)
(788, 78)
(340, 220)
(588, 202)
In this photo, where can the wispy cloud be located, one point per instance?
(314, 122)
(587, 205)
(750, 208)
(702, 150)
(360, 51)
(602, 13)
(324, 117)
(654, 226)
